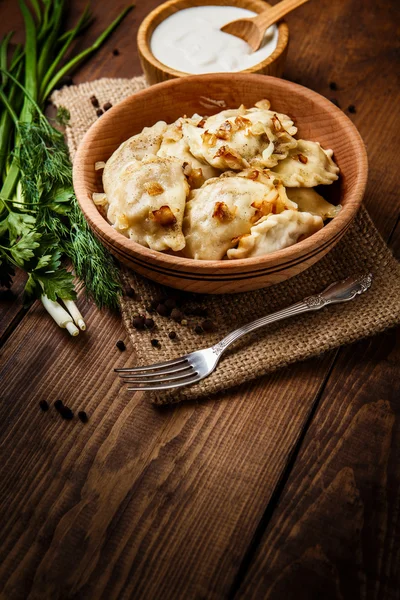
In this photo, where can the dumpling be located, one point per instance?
(239, 138)
(308, 200)
(275, 232)
(307, 165)
(175, 145)
(225, 208)
(147, 202)
(137, 147)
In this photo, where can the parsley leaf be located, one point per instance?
(23, 249)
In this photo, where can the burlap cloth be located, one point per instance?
(362, 249)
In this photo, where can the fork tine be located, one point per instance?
(159, 365)
(171, 370)
(167, 386)
(162, 379)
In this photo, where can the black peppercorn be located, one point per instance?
(94, 101)
(129, 291)
(120, 345)
(170, 303)
(44, 405)
(176, 315)
(163, 310)
(83, 416)
(207, 325)
(172, 335)
(198, 329)
(155, 343)
(66, 413)
(116, 52)
(107, 106)
(99, 112)
(149, 323)
(333, 86)
(58, 405)
(138, 322)
(352, 109)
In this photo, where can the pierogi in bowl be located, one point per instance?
(234, 185)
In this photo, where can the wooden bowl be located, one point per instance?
(316, 118)
(156, 71)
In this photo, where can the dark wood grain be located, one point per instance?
(12, 309)
(336, 530)
(129, 504)
(186, 502)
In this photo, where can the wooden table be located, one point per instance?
(285, 488)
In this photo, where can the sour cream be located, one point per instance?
(190, 40)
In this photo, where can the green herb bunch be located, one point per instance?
(40, 220)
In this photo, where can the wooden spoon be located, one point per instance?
(252, 30)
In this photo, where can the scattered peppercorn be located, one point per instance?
(155, 343)
(198, 329)
(120, 345)
(154, 303)
(184, 322)
(58, 405)
(129, 291)
(207, 325)
(116, 52)
(352, 109)
(107, 106)
(44, 405)
(83, 416)
(172, 335)
(163, 310)
(176, 315)
(138, 322)
(170, 303)
(149, 323)
(66, 413)
(99, 112)
(334, 101)
(333, 86)
(94, 101)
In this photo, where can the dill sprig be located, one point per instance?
(46, 181)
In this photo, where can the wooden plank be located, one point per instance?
(336, 530)
(94, 509)
(12, 310)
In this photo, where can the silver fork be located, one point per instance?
(193, 367)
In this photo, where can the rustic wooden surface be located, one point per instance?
(286, 488)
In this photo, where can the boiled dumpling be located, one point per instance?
(135, 148)
(308, 200)
(307, 165)
(225, 208)
(275, 232)
(175, 144)
(147, 202)
(239, 138)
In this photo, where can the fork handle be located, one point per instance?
(341, 291)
